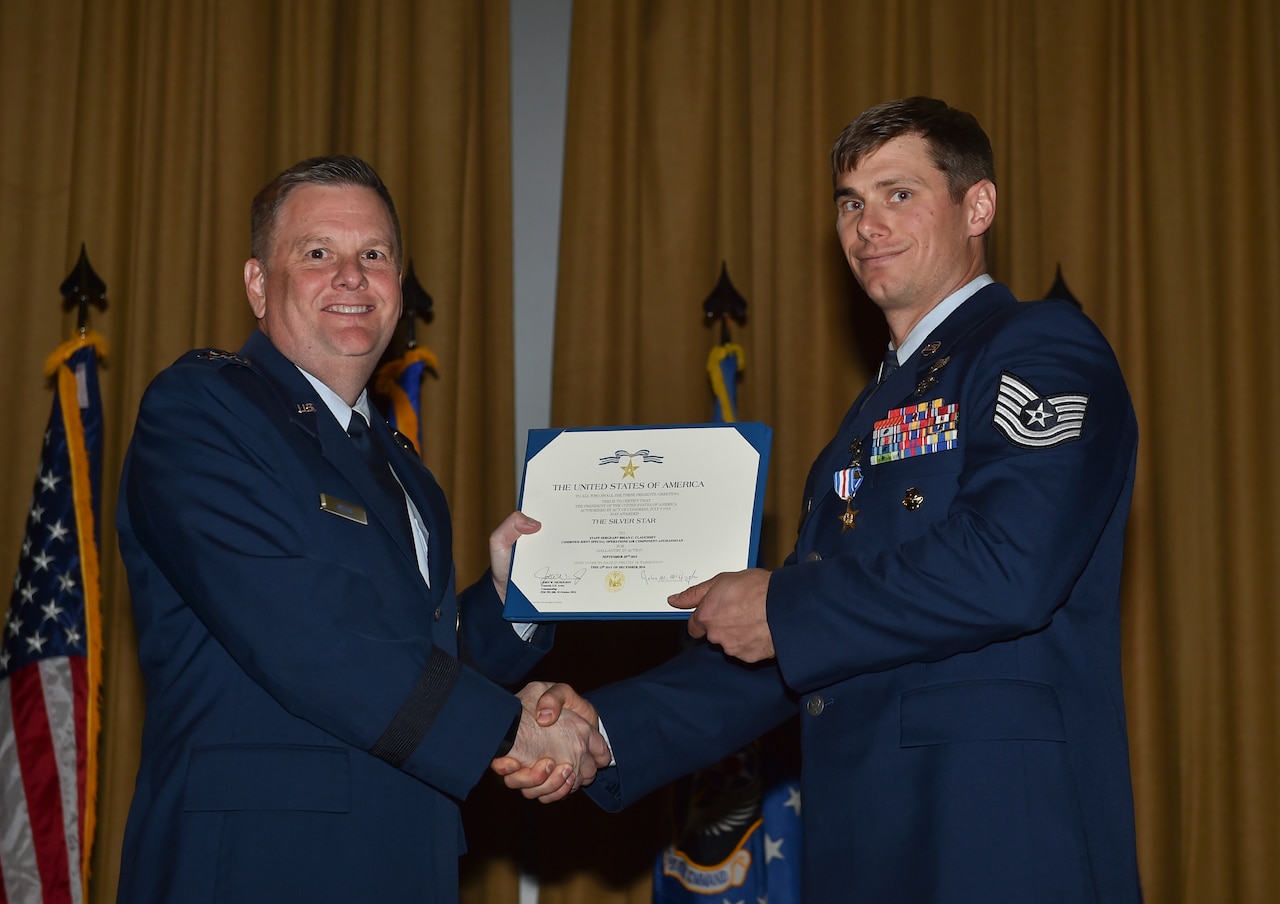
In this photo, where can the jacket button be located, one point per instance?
(814, 556)
(438, 613)
(816, 705)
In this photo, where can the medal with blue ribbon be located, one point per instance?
(846, 481)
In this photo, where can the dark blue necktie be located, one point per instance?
(889, 365)
(380, 465)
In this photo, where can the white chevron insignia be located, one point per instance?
(1033, 421)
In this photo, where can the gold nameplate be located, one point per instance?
(348, 510)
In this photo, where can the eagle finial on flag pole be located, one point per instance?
(1060, 290)
(82, 288)
(418, 303)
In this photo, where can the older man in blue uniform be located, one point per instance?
(318, 699)
(948, 625)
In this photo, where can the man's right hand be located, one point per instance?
(538, 772)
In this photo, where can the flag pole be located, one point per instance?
(82, 289)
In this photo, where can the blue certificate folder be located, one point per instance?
(631, 515)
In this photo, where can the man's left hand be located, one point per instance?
(729, 610)
(502, 541)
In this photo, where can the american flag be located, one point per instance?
(50, 653)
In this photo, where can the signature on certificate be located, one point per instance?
(548, 578)
(687, 578)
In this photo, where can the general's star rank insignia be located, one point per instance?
(1026, 418)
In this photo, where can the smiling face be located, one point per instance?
(909, 244)
(330, 297)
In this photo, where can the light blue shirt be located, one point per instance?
(941, 311)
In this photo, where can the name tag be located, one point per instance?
(348, 510)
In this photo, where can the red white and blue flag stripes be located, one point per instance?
(50, 653)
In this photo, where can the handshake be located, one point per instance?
(558, 746)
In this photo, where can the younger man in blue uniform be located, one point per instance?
(948, 624)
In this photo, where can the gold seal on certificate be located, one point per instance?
(631, 515)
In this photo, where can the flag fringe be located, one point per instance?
(82, 491)
(59, 355)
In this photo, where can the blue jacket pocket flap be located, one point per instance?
(268, 777)
(992, 710)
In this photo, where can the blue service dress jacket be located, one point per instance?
(954, 654)
(311, 722)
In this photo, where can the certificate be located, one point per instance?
(632, 515)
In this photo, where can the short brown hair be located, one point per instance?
(336, 170)
(960, 149)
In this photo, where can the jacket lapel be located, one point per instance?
(427, 497)
(308, 412)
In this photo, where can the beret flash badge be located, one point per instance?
(1034, 421)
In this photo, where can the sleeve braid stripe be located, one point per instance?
(411, 724)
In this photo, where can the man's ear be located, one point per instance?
(981, 201)
(255, 286)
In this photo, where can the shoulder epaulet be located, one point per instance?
(404, 442)
(216, 357)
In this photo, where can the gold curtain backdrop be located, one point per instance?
(1136, 145)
